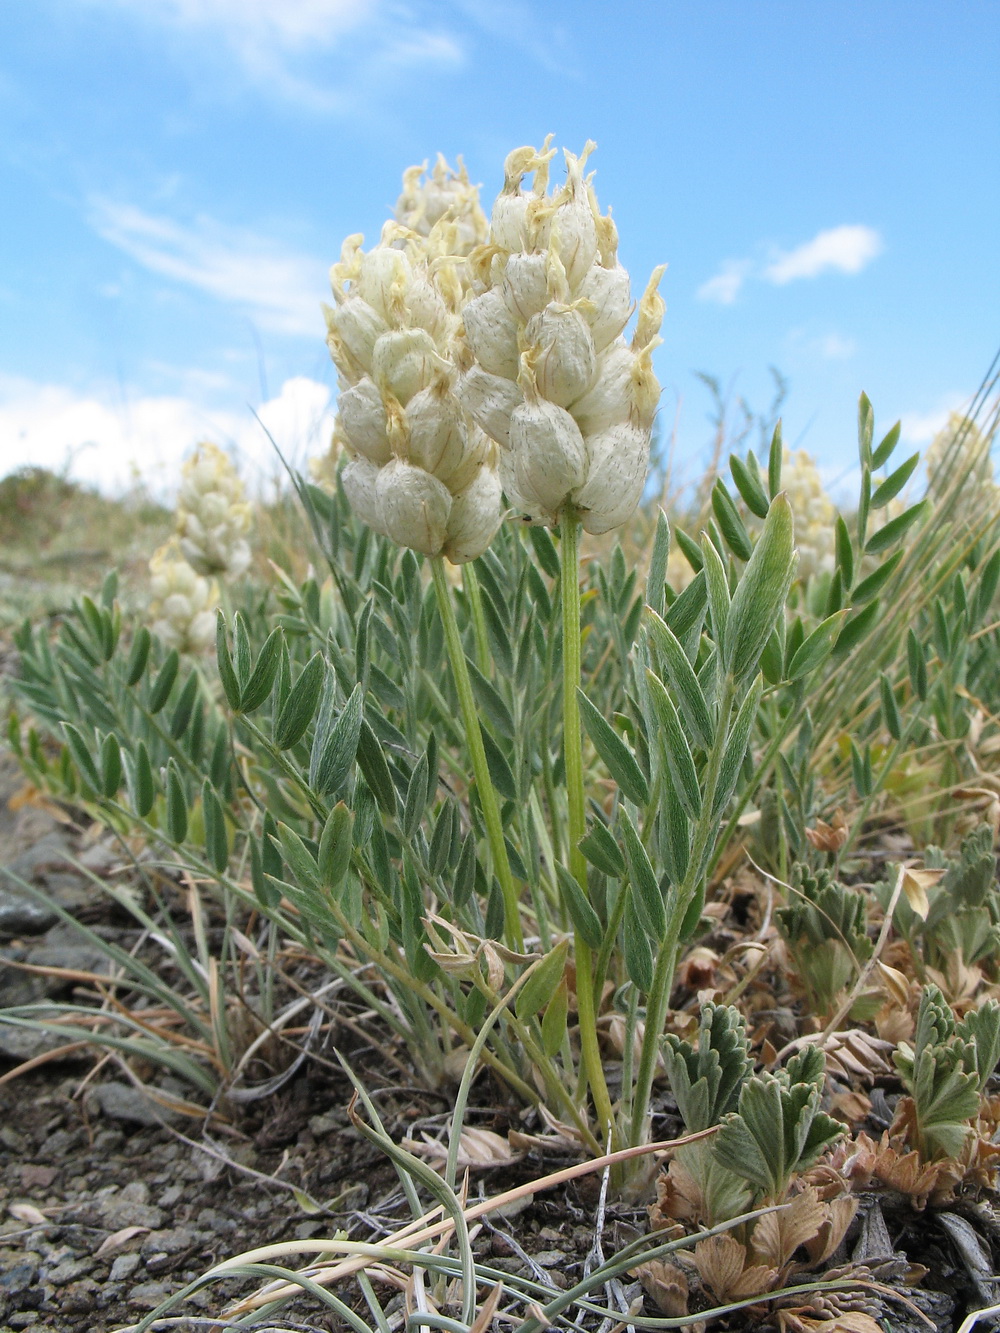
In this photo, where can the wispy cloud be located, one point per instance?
(840, 249)
(110, 441)
(846, 249)
(836, 348)
(727, 284)
(921, 427)
(284, 48)
(278, 288)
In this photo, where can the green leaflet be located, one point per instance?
(599, 847)
(760, 593)
(690, 699)
(676, 751)
(300, 704)
(620, 761)
(540, 987)
(736, 746)
(646, 893)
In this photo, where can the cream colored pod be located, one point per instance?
(547, 372)
(421, 471)
(183, 603)
(212, 514)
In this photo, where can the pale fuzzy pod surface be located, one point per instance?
(183, 603)
(547, 372)
(213, 516)
(420, 470)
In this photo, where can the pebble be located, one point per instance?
(120, 1101)
(20, 915)
(148, 1295)
(123, 1267)
(118, 1212)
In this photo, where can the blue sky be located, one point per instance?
(823, 180)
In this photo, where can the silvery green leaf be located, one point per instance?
(620, 761)
(736, 746)
(760, 593)
(300, 704)
(674, 745)
(690, 699)
(646, 893)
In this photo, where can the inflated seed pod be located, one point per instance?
(474, 517)
(492, 334)
(564, 360)
(413, 505)
(550, 457)
(617, 459)
(363, 419)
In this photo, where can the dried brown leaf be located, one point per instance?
(666, 1284)
(778, 1235)
(27, 1212)
(118, 1240)
(721, 1263)
(478, 1150)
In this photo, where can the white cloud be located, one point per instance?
(835, 348)
(841, 249)
(105, 442)
(726, 285)
(276, 43)
(921, 427)
(278, 288)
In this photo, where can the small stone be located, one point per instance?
(11, 1139)
(20, 915)
(120, 1101)
(174, 1241)
(148, 1295)
(118, 1213)
(549, 1258)
(18, 1278)
(40, 1177)
(136, 1191)
(23, 1319)
(68, 1271)
(171, 1195)
(123, 1267)
(321, 1125)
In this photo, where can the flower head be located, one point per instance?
(547, 373)
(212, 514)
(183, 602)
(421, 472)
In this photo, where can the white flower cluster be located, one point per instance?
(423, 473)
(212, 515)
(547, 374)
(960, 453)
(444, 194)
(183, 605)
(814, 513)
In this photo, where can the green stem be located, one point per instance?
(470, 582)
(593, 1067)
(480, 768)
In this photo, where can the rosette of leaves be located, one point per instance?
(945, 1072)
(824, 925)
(777, 1129)
(964, 913)
(962, 924)
(706, 1082)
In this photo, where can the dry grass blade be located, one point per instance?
(422, 1229)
